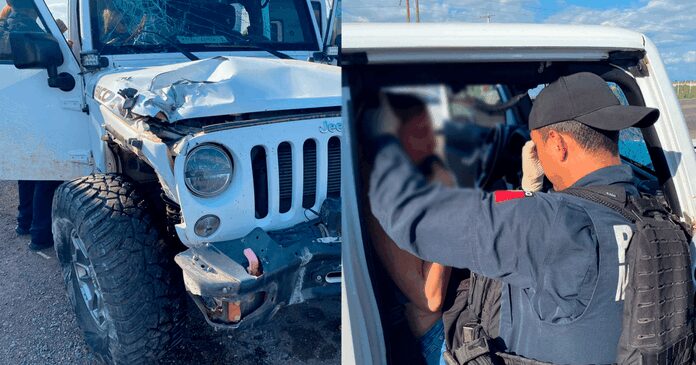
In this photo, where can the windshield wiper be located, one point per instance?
(173, 43)
(249, 45)
(278, 54)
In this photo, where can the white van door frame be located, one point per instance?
(44, 132)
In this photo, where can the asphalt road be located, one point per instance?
(689, 109)
(37, 324)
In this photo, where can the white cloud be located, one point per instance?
(671, 24)
(689, 57)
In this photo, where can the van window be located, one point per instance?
(632, 146)
(16, 20)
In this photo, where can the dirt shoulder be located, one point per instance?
(37, 324)
(689, 110)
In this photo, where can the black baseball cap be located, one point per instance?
(586, 98)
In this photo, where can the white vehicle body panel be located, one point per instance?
(451, 42)
(362, 335)
(34, 114)
(432, 43)
(223, 86)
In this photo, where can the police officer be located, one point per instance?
(555, 254)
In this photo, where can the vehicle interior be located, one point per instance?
(479, 111)
(210, 25)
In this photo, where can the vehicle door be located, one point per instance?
(44, 132)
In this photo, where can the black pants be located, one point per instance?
(35, 203)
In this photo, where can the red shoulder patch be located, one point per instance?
(505, 195)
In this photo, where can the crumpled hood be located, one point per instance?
(221, 86)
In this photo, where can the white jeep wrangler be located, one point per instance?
(176, 122)
(483, 78)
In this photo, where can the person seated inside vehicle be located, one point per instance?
(545, 286)
(114, 30)
(420, 285)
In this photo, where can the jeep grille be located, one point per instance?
(334, 182)
(286, 193)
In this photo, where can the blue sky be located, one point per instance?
(671, 24)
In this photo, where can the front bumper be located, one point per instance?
(297, 264)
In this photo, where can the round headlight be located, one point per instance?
(208, 170)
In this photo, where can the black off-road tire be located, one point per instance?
(140, 314)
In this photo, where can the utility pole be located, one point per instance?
(417, 12)
(408, 12)
(488, 17)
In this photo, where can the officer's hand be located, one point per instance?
(532, 172)
(382, 121)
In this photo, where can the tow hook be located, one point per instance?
(254, 268)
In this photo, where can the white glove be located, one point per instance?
(382, 121)
(532, 172)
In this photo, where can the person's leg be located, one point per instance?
(41, 235)
(24, 209)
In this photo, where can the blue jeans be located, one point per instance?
(442, 351)
(432, 343)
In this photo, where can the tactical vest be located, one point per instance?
(654, 280)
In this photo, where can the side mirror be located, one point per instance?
(33, 50)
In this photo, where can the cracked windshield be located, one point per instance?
(143, 26)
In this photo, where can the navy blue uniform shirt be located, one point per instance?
(544, 246)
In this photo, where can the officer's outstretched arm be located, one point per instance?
(463, 228)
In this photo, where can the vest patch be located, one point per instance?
(505, 195)
(623, 234)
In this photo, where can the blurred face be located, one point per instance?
(418, 137)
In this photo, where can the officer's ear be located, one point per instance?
(557, 145)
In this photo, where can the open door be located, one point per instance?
(44, 132)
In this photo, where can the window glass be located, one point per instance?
(22, 18)
(632, 146)
(59, 11)
(316, 8)
(336, 34)
(477, 104)
(150, 26)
